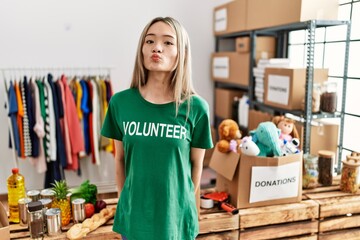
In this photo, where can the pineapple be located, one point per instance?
(60, 201)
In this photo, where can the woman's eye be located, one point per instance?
(168, 43)
(149, 41)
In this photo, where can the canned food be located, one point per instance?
(53, 221)
(34, 195)
(47, 193)
(78, 210)
(23, 203)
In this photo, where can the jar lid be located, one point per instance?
(35, 206)
(24, 200)
(45, 201)
(47, 192)
(78, 201)
(15, 170)
(326, 153)
(353, 161)
(53, 212)
(33, 193)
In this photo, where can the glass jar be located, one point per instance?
(326, 163)
(328, 98)
(350, 179)
(36, 220)
(311, 171)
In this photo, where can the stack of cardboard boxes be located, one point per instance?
(260, 181)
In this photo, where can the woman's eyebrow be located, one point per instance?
(165, 35)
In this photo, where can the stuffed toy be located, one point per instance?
(266, 137)
(248, 147)
(229, 136)
(290, 147)
(287, 127)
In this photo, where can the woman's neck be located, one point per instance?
(157, 89)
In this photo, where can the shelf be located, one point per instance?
(286, 27)
(301, 26)
(231, 86)
(298, 113)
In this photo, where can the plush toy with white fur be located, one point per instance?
(248, 147)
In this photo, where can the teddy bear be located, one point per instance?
(229, 136)
(287, 128)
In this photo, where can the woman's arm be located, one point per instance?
(197, 158)
(119, 165)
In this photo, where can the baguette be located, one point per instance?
(80, 230)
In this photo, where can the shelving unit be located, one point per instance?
(282, 38)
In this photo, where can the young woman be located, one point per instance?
(161, 130)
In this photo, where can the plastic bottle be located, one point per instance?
(16, 191)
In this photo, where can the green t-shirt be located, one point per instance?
(157, 200)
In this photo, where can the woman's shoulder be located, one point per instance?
(124, 94)
(197, 102)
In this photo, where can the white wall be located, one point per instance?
(91, 33)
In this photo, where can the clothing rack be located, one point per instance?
(13, 72)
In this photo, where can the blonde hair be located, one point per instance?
(181, 80)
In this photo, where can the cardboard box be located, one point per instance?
(231, 67)
(209, 152)
(285, 87)
(258, 181)
(265, 46)
(224, 99)
(230, 17)
(256, 117)
(4, 224)
(269, 13)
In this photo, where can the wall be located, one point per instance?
(91, 33)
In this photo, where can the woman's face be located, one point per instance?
(160, 48)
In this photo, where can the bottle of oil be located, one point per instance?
(16, 191)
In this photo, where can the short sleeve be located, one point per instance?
(110, 127)
(201, 137)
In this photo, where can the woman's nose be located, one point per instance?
(157, 48)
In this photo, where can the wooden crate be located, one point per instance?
(215, 220)
(339, 213)
(102, 233)
(290, 221)
(228, 235)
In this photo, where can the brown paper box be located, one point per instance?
(256, 117)
(224, 99)
(233, 17)
(265, 46)
(237, 68)
(4, 224)
(296, 91)
(269, 13)
(234, 176)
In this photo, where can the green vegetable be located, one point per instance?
(86, 191)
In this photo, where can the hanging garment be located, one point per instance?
(40, 161)
(96, 120)
(27, 139)
(13, 110)
(85, 110)
(19, 120)
(43, 106)
(60, 146)
(103, 107)
(50, 127)
(76, 137)
(31, 116)
(64, 126)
